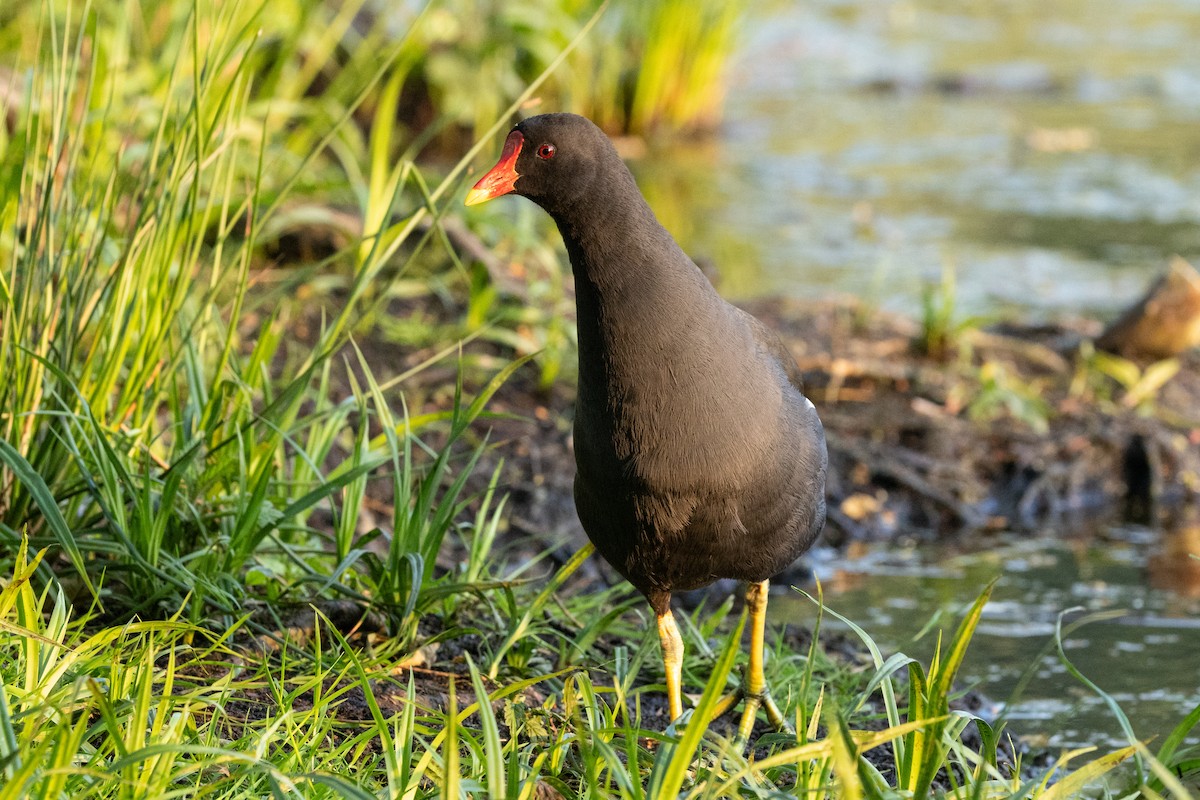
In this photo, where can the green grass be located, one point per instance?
(190, 435)
(153, 397)
(168, 708)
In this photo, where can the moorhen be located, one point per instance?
(697, 454)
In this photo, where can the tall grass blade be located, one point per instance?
(450, 771)
(1073, 783)
(535, 607)
(1165, 779)
(1108, 699)
(883, 668)
(1178, 736)
(493, 750)
(24, 472)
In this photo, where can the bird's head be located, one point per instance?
(552, 159)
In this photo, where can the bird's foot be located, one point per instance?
(724, 705)
(754, 700)
(775, 716)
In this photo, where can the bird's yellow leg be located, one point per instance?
(755, 688)
(754, 684)
(672, 649)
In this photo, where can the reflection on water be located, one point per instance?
(1144, 651)
(1047, 151)
(1175, 565)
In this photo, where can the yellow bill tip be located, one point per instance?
(477, 196)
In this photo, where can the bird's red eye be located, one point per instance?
(546, 152)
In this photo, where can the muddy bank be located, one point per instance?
(1011, 427)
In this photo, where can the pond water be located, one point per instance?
(1143, 649)
(1048, 156)
(1047, 153)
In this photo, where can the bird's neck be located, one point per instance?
(638, 296)
(619, 252)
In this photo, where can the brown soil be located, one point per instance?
(921, 447)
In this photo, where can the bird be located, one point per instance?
(698, 456)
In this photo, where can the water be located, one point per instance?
(1144, 650)
(1048, 154)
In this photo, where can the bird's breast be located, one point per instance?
(677, 425)
(676, 395)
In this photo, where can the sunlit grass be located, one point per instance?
(157, 421)
(168, 708)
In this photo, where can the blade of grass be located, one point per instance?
(536, 606)
(42, 496)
